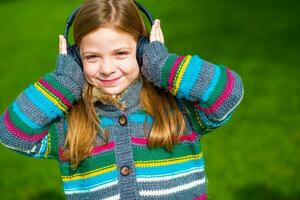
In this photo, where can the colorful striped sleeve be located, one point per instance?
(211, 91)
(28, 124)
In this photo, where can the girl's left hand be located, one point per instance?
(156, 32)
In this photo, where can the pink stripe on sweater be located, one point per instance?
(102, 148)
(225, 94)
(137, 140)
(56, 93)
(173, 72)
(202, 197)
(20, 134)
(190, 137)
(95, 150)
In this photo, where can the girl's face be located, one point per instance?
(109, 59)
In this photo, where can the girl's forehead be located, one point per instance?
(106, 39)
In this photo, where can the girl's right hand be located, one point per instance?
(67, 71)
(62, 45)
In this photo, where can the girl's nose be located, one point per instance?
(107, 67)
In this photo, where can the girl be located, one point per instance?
(117, 129)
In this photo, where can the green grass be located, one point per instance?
(254, 156)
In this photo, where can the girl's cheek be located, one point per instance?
(90, 69)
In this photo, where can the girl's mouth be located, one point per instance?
(109, 82)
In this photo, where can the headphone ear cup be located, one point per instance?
(143, 41)
(74, 52)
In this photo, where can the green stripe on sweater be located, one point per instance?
(62, 89)
(143, 153)
(92, 163)
(221, 84)
(18, 122)
(167, 69)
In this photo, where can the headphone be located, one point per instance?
(74, 50)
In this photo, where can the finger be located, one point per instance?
(157, 30)
(62, 45)
(161, 35)
(152, 33)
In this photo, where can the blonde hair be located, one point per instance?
(83, 122)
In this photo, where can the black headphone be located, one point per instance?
(74, 50)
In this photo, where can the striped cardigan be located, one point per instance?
(125, 168)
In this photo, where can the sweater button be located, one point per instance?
(122, 120)
(125, 171)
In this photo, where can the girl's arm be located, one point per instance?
(209, 92)
(27, 125)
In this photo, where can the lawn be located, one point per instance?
(252, 157)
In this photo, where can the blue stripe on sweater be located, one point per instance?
(213, 83)
(190, 75)
(43, 148)
(105, 121)
(135, 118)
(23, 117)
(42, 103)
(92, 181)
(213, 124)
(140, 118)
(167, 169)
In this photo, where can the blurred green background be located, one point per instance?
(255, 156)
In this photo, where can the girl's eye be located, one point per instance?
(122, 53)
(91, 57)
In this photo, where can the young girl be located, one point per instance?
(117, 129)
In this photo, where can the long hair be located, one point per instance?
(83, 122)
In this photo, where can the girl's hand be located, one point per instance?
(156, 32)
(62, 45)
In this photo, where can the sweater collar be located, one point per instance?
(131, 98)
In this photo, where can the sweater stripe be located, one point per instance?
(190, 76)
(42, 103)
(153, 193)
(20, 134)
(20, 124)
(180, 74)
(53, 142)
(169, 176)
(18, 113)
(179, 150)
(105, 121)
(144, 141)
(225, 94)
(59, 87)
(103, 148)
(151, 170)
(176, 74)
(115, 197)
(212, 85)
(155, 163)
(43, 149)
(166, 70)
(50, 97)
(221, 84)
(173, 72)
(202, 197)
(91, 188)
(62, 99)
(107, 173)
(140, 118)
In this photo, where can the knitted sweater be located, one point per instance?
(125, 168)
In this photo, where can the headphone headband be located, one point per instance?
(71, 19)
